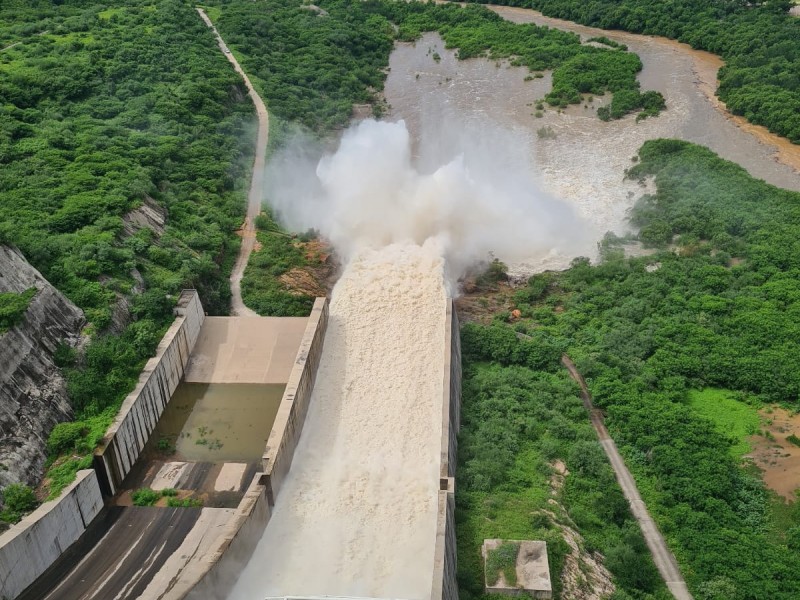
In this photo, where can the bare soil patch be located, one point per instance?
(778, 458)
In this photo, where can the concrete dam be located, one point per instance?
(351, 495)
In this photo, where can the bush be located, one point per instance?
(65, 437)
(13, 307)
(145, 497)
(19, 499)
(185, 503)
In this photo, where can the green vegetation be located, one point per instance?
(523, 423)
(757, 40)
(13, 306)
(148, 497)
(262, 289)
(730, 414)
(108, 109)
(308, 66)
(18, 500)
(145, 497)
(793, 439)
(717, 306)
(502, 561)
(608, 42)
(184, 503)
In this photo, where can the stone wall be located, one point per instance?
(444, 585)
(292, 411)
(141, 410)
(33, 544)
(33, 395)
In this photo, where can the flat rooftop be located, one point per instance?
(245, 350)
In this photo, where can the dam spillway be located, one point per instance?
(358, 512)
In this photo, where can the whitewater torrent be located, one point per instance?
(357, 513)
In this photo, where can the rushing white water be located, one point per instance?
(357, 514)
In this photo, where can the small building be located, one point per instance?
(528, 559)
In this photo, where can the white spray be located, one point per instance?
(470, 189)
(357, 513)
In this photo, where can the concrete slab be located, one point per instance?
(245, 350)
(169, 475)
(125, 550)
(230, 477)
(533, 570)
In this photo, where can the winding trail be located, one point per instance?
(238, 308)
(662, 556)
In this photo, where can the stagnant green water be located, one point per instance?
(217, 422)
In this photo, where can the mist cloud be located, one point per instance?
(467, 190)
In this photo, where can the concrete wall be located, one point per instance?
(33, 544)
(214, 575)
(141, 410)
(444, 585)
(291, 415)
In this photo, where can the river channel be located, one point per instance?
(580, 159)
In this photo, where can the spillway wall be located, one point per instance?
(292, 411)
(33, 544)
(215, 575)
(444, 585)
(141, 410)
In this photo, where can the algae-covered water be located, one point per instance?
(217, 422)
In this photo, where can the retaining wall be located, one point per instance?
(213, 576)
(444, 585)
(33, 544)
(292, 411)
(141, 410)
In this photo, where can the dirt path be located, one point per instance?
(662, 556)
(256, 183)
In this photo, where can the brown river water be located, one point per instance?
(583, 159)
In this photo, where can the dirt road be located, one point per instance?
(662, 556)
(256, 183)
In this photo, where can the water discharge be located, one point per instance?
(357, 513)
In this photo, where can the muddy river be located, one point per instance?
(578, 157)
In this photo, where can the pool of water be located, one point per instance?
(217, 422)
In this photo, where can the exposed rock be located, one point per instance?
(584, 576)
(149, 215)
(33, 396)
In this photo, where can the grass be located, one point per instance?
(108, 13)
(71, 446)
(149, 497)
(213, 12)
(732, 417)
(502, 560)
(506, 514)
